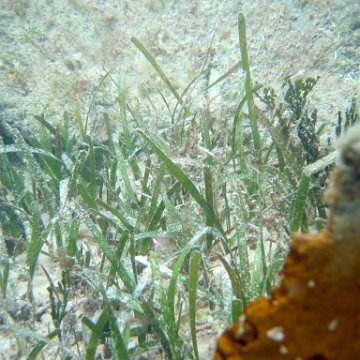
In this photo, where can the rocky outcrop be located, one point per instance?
(315, 312)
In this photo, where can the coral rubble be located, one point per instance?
(315, 312)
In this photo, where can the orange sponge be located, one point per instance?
(315, 312)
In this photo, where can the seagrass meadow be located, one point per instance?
(149, 242)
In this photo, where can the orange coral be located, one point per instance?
(315, 312)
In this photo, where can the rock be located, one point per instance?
(315, 312)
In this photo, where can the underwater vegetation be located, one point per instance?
(153, 240)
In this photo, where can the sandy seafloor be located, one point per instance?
(55, 52)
